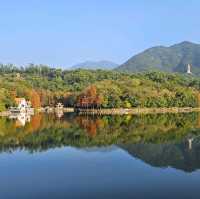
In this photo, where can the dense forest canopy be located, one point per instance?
(46, 86)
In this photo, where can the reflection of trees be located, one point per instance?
(45, 131)
(91, 125)
(13, 137)
(35, 123)
(159, 140)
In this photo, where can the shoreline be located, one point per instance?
(136, 111)
(4, 114)
(114, 111)
(41, 110)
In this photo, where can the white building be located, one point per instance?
(22, 104)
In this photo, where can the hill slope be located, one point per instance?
(171, 59)
(93, 65)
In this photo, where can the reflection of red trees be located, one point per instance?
(90, 125)
(34, 124)
(89, 98)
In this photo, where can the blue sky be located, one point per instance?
(63, 32)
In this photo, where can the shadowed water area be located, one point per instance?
(72, 156)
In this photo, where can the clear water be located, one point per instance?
(100, 157)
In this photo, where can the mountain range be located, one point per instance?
(170, 59)
(93, 65)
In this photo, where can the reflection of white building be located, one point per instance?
(59, 114)
(21, 118)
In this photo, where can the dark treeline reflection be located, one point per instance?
(160, 140)
(178, 155)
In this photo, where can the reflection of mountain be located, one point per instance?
(178, 156)
(156, 139)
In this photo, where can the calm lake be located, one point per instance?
(119, 157)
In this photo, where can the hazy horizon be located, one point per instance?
(63, 34)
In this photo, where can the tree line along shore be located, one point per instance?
(97, 89)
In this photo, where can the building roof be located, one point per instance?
(19, 100)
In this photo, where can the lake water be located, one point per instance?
(119, 157)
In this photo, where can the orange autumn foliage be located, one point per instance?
(35, 99)
(89, 98)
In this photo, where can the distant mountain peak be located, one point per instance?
(186, 43)
(93, 65)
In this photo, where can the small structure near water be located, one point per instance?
(23, 106)
(59, 106)
(48, 109)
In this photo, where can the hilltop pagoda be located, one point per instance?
(189, 69)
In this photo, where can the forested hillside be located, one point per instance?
(46, 86)
(169, 59)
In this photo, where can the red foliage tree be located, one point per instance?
(35, 99)
(89, 98)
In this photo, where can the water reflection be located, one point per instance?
(176, 155)
(21, 118)
(170, 140)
